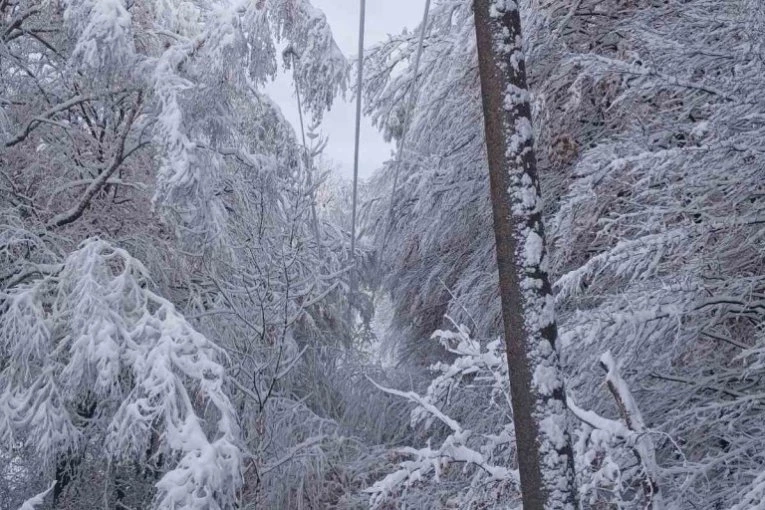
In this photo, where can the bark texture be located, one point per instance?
(545, 457)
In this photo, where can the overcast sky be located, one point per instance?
(382, 17)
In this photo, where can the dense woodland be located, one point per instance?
(184, 322)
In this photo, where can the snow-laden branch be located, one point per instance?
(632, 432)
(94, 333)
(35, 501)
(427, 406)
(430, 462)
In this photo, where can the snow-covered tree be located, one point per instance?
(94, 360)
(647, 116)
(140, 130)
(657, 237)
(145, 123)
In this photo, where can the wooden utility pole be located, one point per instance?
(545, 457)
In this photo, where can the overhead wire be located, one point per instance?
(359, 81)
(402, 141)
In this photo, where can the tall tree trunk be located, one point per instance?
(545, 457)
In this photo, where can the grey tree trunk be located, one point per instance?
(545, 457)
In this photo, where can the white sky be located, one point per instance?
(382, 17)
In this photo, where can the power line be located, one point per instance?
(359, 80)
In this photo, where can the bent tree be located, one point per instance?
(545, 459)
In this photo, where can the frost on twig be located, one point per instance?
(602, 438)
(460, 445)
